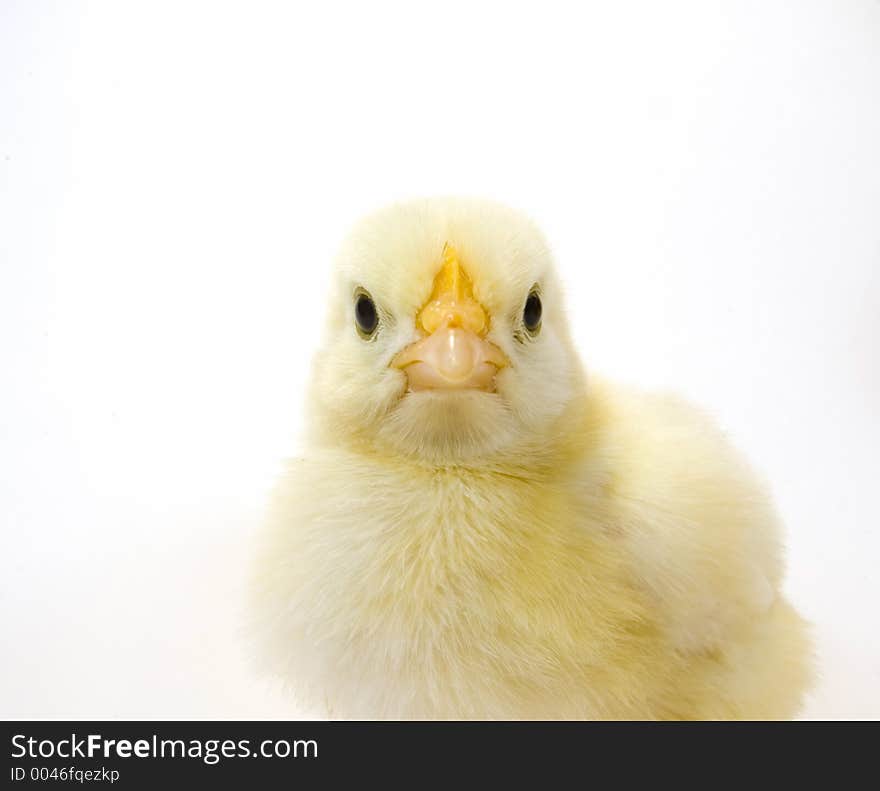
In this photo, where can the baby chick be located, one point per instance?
(478, 530)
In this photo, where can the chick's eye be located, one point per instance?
(365, 315)
(532, 313)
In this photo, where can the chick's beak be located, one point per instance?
(454, 354)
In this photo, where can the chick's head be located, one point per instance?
(446, 339)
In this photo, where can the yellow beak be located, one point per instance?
(454, 353)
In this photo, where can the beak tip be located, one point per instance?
(451, 358)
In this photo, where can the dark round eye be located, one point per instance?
(365, 314)
(532, 313)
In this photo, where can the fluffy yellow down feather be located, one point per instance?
(558, 548)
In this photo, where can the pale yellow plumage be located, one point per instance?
(559, 548)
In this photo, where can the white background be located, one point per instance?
(175, 178)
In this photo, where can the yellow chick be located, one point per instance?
(476, 529)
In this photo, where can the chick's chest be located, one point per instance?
(457, 527)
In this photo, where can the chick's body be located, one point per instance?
(476, 554)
